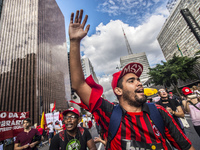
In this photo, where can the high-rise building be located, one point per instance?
(88, 69)
(171, 4)
(33, 57)
(176, 30)
(140, 58)
(180, 34)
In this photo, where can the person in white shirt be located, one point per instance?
(51, 131)
(58, 127)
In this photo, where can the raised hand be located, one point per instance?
(76, 29)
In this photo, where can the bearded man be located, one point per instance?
(136, 130)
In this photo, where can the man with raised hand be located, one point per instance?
(136, 129)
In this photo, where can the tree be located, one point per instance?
(168, 73)
(197, 53)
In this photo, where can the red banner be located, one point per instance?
(11, 123)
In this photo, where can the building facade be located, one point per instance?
(180, 34)
(140, 58)
(88, 69)
(33, 57)
(177, 31)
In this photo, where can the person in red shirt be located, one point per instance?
(40, 130)
(136, 130)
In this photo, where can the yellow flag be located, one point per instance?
(43, 121)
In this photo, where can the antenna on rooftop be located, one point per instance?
(127, 43)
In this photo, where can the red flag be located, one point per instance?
(60, 116)
(54, 106)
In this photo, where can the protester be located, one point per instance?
(192, 105)
(173, 96)
(73, 137)
(58, 127)
(172, 106)
(196, 91)
(85, 121)
(136, 130)
(51, 131)
(29, 138)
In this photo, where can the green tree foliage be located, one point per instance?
(197, 53)
(168, 73)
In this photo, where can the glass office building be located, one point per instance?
(33, 57)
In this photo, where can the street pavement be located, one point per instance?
(190, 133)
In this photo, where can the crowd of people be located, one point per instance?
(135, 125)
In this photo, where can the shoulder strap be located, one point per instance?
(114, 124)
(193, 105)
(156, 118)
(116, 116)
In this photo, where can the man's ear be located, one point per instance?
(79, 119)
(118, 91)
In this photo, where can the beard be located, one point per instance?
(136, 101)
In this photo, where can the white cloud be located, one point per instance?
(105, 48)
(129, 7)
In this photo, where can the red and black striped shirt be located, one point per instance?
(136, 130)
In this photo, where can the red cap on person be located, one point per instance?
(71, 109)
(186, 90)
(133, 67)
(170, 92)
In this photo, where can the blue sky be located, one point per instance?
(141, 20)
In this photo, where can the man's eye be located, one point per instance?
(73, 117)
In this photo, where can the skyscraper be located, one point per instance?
(88, 69)
(180, 34)
(33, 57)
(176, 30)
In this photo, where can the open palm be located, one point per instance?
(76, 29)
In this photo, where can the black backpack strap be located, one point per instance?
(116, 116)
(156, 118)
(115, 121)
(193, 105)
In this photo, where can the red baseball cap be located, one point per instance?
(71, 109)
(133, 67)
(186, 90)
(170, 93)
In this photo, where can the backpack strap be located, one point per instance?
(116, 116)
(156, 118)
(193, 105)
(115, 121)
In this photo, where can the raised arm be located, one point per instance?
(76, 34)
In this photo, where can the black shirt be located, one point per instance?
(173, 104)
(62, 140)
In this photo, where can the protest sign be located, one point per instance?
(52, 117)
(11, 123)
